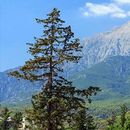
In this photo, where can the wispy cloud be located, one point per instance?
(113, 9)
(122, 1)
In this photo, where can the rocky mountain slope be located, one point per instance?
(103, 45)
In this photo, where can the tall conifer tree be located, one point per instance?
(58, 101)
(85, 121)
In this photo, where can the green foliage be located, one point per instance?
(112, 121)
(85, 121)
(4, 119)
(121, 122)
(17, 120)
(10, 120)
(123, 115)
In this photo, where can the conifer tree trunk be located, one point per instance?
(50, 80)
(50, 124)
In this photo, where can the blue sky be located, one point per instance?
(87, 17)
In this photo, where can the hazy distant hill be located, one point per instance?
(112, 75)
(13, 91)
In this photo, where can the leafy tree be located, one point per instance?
(123, 114)
(5, 123)
(55, 106)
(85, 121)
(112, 121)
(17, 120)
(121, 122)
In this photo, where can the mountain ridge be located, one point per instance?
(103, 45)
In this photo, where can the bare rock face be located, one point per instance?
(103, 45)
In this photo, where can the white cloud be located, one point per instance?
(119, 15)
(102, 9)
(122, 1)
(107, 9)
(86, 14)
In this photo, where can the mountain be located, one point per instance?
(105, 63)
(13, 90)
(112, 75)
(108, 44)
